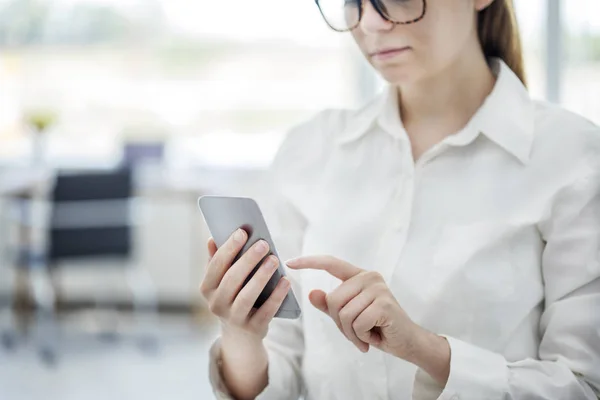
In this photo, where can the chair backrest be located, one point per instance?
(135, 153)
(90, 215)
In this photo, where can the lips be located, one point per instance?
(387, 51)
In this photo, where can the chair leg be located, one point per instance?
(145, 306)
(46, 327)
(104, 300)
(8, 336)
(9, 332)
(9, 340)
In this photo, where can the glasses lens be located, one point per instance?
(402, 11)
(341, 15)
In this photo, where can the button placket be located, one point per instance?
(396, 232)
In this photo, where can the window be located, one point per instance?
(174, 70)
(580, 85)
(531, 16)
(184, 71)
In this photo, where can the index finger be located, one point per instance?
(336, 267)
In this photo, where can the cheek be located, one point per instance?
(439, 47)
(359, 40)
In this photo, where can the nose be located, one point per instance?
(371, 21)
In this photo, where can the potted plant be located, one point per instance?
(39, 121)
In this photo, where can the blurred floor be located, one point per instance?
(91, 369)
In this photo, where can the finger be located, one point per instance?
(212, 248)
(363, 325)
(318, 298)
(339, 297)
(267, 311)
(223, 258)
(246, 298)
(238, 273)
(342, 295)
(350, 312)
(338, 268)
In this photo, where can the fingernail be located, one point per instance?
(285, 283)
(292, 262)
(239, 235)
(270, 263)
(261, 246)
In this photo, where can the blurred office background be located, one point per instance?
(162, 101)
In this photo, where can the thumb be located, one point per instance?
(318, 298)
(212, 248)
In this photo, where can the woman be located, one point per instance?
(456, 223)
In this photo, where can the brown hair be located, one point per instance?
(499, 35)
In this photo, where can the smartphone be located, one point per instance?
(223, 216)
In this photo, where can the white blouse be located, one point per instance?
(492, 239)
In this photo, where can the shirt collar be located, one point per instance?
(506, 117)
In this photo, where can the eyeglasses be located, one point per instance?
(345, 15)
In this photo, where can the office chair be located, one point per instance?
(90, 220)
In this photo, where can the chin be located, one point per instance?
(401, 69)
(398, 74)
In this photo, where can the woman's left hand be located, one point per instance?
(367, 313)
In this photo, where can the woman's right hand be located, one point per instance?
(227, 299)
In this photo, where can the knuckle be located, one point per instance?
(388, 305)
(381, 287)
(375, 275)
(260, 323)
(204, 290)
(228, 280)
(210, 263)
(344, 315)
(263, 315)
(216, 263)
(334, 306)
(236, 320)
(214, 308)
(225, 282)
(233, 250)
(233, 246)
(253, 258)
(260, 318)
